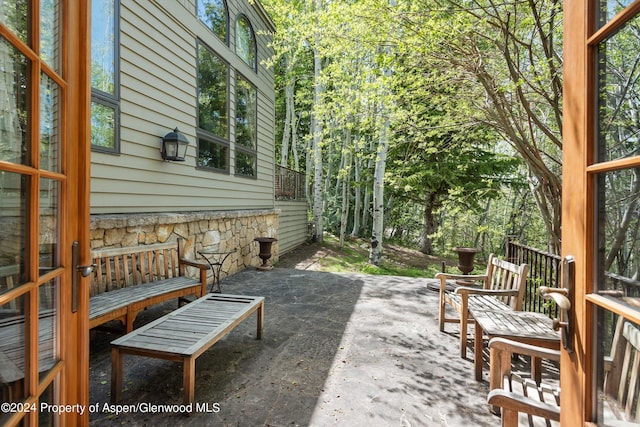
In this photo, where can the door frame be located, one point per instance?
(579, 202)
(78, 73)
(69, 376)
(577, 211)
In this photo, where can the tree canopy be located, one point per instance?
(457, 102)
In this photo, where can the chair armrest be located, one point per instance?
(503, 344)
(444, 277)
(447, 276)
(520, 403)
(471, 291)
(197, 264)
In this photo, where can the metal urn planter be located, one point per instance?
(265, 251)
(465, 258)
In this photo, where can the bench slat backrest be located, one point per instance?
(9, 278)
(622, 379)
(123, 267)
(506, 276)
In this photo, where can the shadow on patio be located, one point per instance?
(337, 350)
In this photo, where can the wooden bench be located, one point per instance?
(12, 357)
(183, 335)
(503, 287)
(622, 375)
(9, 278)
(128, 280)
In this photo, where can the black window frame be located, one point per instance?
(254, 65)
(111, 101)
(226, 11)
(205, 136)
(240, 148)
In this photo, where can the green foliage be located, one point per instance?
(468, 107)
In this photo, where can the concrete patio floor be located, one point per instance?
(337, 349)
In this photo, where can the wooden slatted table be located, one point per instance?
(185, 334)
(522, 326)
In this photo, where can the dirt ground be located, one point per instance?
(308, 255)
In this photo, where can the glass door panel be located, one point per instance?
(13, 104)
(619, 93)
(13, 230)
(13, 355)
(49, 225)
(615, 293)
(48, 347)
(608, 9)
(50, 33)
(49, 124)
(618, 366)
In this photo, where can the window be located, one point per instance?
(213, 110)
(214, 15)
(245, 42)
(104, 76)
(615, 172)
(246, 127)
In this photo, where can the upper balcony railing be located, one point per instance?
(544, 271)
(289, 184)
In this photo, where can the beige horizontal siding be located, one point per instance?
(292, 224)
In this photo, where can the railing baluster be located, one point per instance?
(544, 271)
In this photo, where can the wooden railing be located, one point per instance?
(544, 271)
(289, 184)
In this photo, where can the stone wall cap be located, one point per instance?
(151, 218)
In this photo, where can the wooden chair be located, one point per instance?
(622, 374)
(503, 287)
(621, 403)
(541, 402)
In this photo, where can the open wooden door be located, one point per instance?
(601, 206)
(44, 176)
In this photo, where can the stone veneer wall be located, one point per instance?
(223, 230)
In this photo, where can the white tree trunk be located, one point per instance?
(377, 230)
(288, 125)
(316, 128)
(367, 193)
(294, 141)
(346, 184)
(358, 196)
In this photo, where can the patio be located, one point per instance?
(338, 349)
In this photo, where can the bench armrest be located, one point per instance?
(204, 267)
(444, 277)
(520, 403)
(503, 344)
(191, 263)
(447, 276)
(475, 291)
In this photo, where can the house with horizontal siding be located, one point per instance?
(194, 67)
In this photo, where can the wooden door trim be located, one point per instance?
(77, 72)
(577, 219)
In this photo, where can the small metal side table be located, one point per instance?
(215, 258)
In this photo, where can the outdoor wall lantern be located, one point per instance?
(174, 146)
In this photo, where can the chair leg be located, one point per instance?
(464, 320)
(509, 418)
